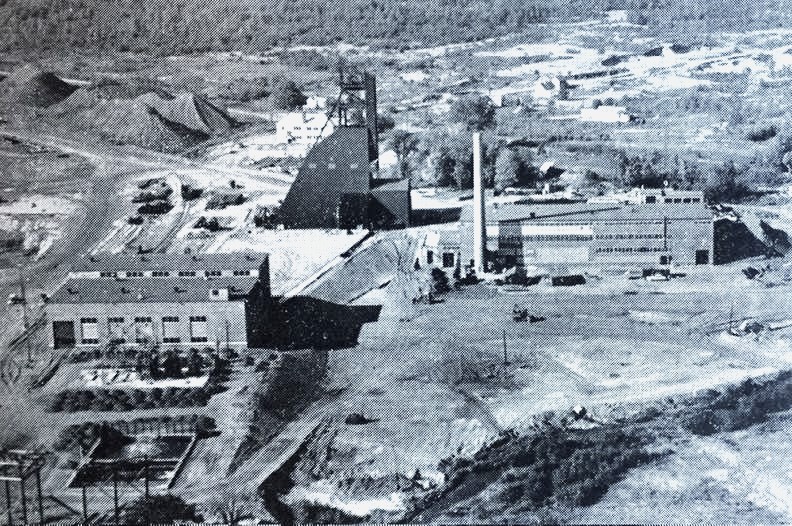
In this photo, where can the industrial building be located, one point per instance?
(170, 299)
(607, 234)
(640, 227)
(337, 185)
(600, 233)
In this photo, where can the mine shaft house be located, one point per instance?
(164, 299)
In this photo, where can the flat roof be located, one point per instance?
(150, 290)
(108, 262)
(588, 211)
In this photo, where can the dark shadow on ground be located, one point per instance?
(735, 241)
(304, 322)
(434, 216)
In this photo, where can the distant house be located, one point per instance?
(440, 250)
(303, 128)
(610, 114)
(315, 102)
(551, 88)
(617, 16)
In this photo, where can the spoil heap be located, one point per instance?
(30, 86)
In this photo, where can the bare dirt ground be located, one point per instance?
(436, 385)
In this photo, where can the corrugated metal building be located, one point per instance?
(171, 299)
(579, 233)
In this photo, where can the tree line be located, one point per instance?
(181, 26)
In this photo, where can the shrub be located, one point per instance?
(440, 282)
(190, 193)
(286, 95)
(762, 134)
(160, 509)
(155, 208)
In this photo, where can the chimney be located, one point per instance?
(479, 221)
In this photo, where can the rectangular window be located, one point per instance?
(134, 274)
(160, 274)
(170, 329)
(90, 330)
(429, 257)
(448, 259)
(241, 273)
(198, 329)
(186, 273)
(213, 273)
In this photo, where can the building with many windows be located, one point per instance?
(647, 227)
(171, 299)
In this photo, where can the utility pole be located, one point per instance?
(115, 495)
(505, 355)
(8, 502)
(146, 474)
(22, 491)
(85, 502)
(38, 491)
(25, 322)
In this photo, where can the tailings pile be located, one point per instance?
(30, 86)
(142, 114)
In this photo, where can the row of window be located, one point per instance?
(332, 166)
(521, 239)
(181, 274)
(630, 249)
(198, 329)
(518, 239)
(631, 236)
(142, 319)
(677, 200)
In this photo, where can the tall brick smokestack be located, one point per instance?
(479, 221)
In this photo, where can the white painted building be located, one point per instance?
(643, 196)
(304, 128)
(611, 114)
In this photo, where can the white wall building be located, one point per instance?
(612, 114)
(304, 128)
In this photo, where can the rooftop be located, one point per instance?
(588, 211)
(107, 262)
(150, 290)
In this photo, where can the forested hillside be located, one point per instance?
(168, 26)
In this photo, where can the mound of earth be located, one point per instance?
(107, 90)
(190, 110)
(136, 123)
(30, 86)
(127, 89)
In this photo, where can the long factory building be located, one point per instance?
(666, 228)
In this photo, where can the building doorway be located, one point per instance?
(63, 334)
(702, 257)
